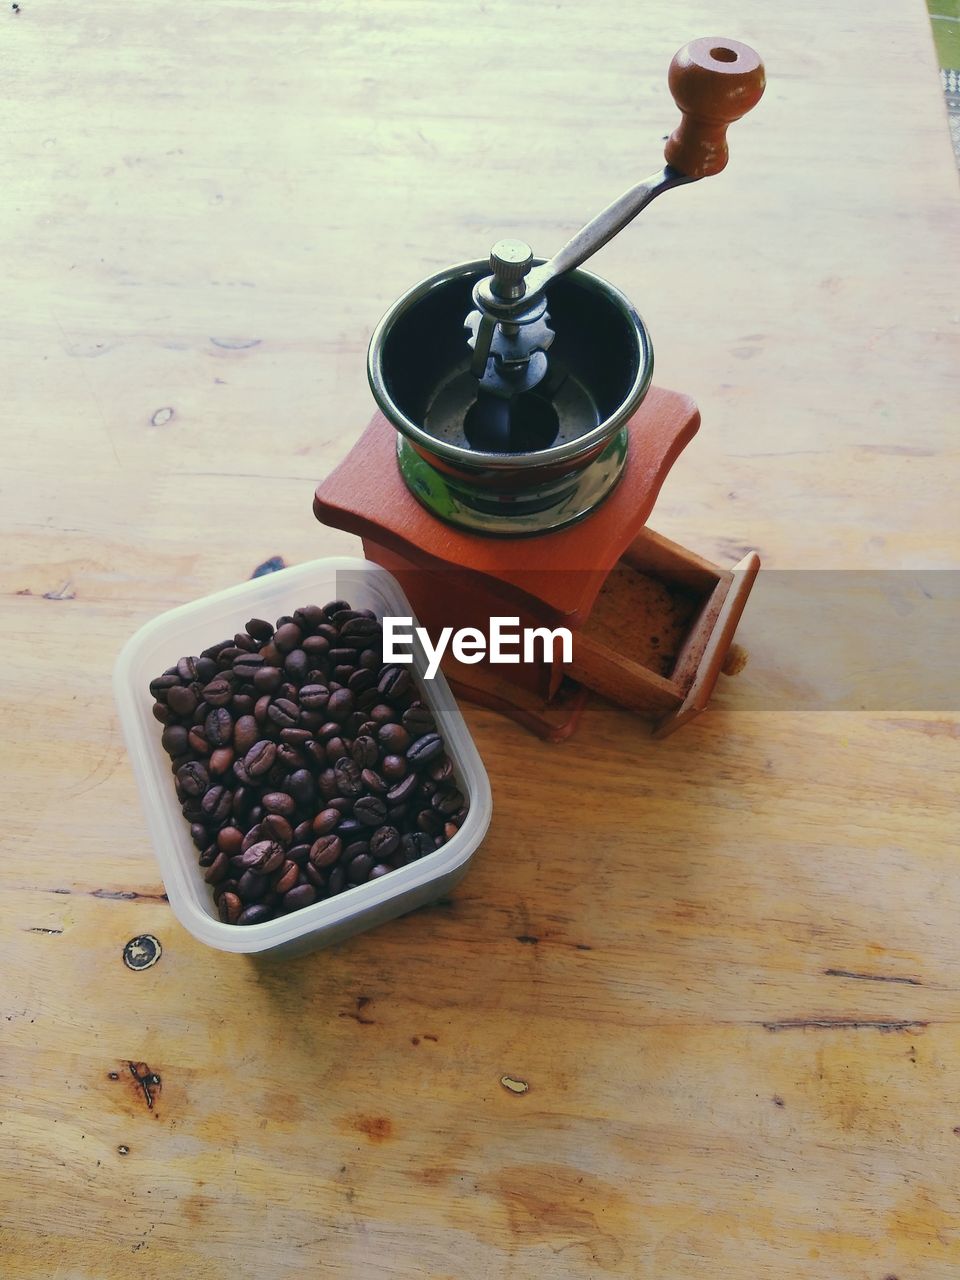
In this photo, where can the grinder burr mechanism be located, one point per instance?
(514, 399)
(510, 382)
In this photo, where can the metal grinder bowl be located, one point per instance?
(601, 363)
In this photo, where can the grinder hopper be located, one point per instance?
(515, 401)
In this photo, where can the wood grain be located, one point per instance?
(727, 965)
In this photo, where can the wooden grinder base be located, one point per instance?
(651, 621)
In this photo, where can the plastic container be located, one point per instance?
(192, 627)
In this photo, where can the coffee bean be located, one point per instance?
(360, 680)
(370, 810)
(353, 850)
(314, 697)
(374, 782)
(252, 886)
(418, 720)
(260, 758)
(333, 607)
(230, 908)
(254, 834)
(429, 822)
(230, 840)
(394, 682)
(284, 713)
(246, 732)
(393, 738)
(278, 802)
(247, 665)
(381, 869)
(275, 827)
(299, 853)
(384, 842)
(424, 749)
(216, 804)
(267, 679)
(447, 803)
(182, 700)
(404, 791)
(325, 851)
(218, 868)
(286, 878)
(296, 665)
(197, 741)
(198, 834)
(161, 686)
(218, 692)
(192, 779)
(336, 882)
(174, 739)
(260, 709)
(221, 760)
(360, 868)
(416, 844)
(288, 637)
(302, 896)
(308, 616)
(187, 669)
(301, 786)
(441, 769)
(265, 857)
(256, 914)
(327, 820)
(208, 855)
(162, 713)
(315, 875)
(336, 749)
(380, 713)
(316, 647)
(340, 705)
(289, 758)
(365, 751)
(349, 782)
(218, 727)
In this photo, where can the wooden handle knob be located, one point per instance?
(714, 81)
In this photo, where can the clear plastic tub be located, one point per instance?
(193, 627)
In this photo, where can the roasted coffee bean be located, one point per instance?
(314, 697)
(192, 779)
(333, 607)
(336, 882)
(284, 713)
(393, 768)
(366, 700)
(343, 658)
(360, 680)
(450, 829)
(264, 857)
(404, 791)
(308, 616)
(393, 738)
(260, 758)
(325, 851)
(380, 713)
(227, 654)
(252, 885)
(174, 740)
(198, 834)
(230, 908)
(278, 802)
(187, 670)
(395, 682)
(240, 772)
(216, 804)
(447, 803)
(208, 855)
(359, 868)
(276, 827)
(162, 713)
(353, 850)
(256, 914)
(230, 840)
(295, 737)
(374, 782)
(349, 782)
(247, 665)
(303, 831)
(197, 741)
(384, 842)
(192, 811)
(429, 822)
(424, 749)
(370, 659)
(315, 875)
(182, 700)
(218, 727)
(327, 820)
(253, 835)
(260, 709)
(416, 844)
(218, 869)
(418, 720)
(221, 760)
(370, 810)
(286, 878)
(299, 853)
(361, 631)
(327, 784)
(225, 886)
(267, 679)
(315, 647)
(302, 787)
(427, 787)
(350, 829)
(290, 759)
(365, 752)
(218, 692)
(336, 749)
(245, 642)
(441, 769)
(246, 732)
(296, 665)
(260, 629)
(288, 637)
(302, 896)
(161, 686)
(340, 705)
(381, 869)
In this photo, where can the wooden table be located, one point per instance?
(725, 967)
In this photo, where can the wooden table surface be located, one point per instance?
(726, 966)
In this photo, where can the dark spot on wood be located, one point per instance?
(364, 1022)
(428, 1036)
(113, 1075)
(148, 1081)
(15, 7)
(376, 1128)
(778, 1101)
(236, 344)
(414, 1039)
(162, 416)
(845, 1024)
(956, 1130)
(528, 939)
(40, 929)
(273, 565)
(65, 593)
(872, 977)
(362, 1001)
(25, 591)
(142, 952)
(123, 1150)
(582, 946)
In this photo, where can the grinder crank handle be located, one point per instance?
(714, 81)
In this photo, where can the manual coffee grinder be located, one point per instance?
(519, 448)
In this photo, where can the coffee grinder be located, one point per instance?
(519, 447)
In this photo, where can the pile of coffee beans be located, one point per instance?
(303, 764)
